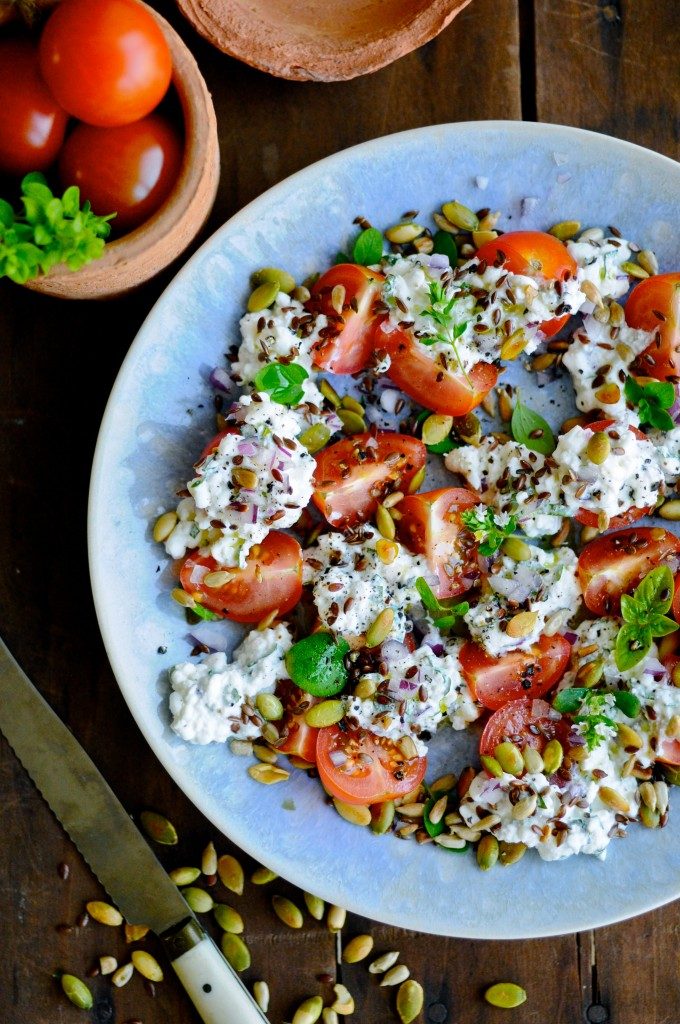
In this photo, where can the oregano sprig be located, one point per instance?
(489, 528)
(653, 401)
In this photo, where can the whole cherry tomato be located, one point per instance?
(32, 123)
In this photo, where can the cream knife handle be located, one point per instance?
(213, 986)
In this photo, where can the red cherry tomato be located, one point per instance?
(676, 598)
(536, 254)
(431, 526)
(106, 61)
(271, 580)
(32, 123)
(214, 443)
(589, 518)
(130, 169)
(369, 768)
(352, 476)
(299, 738)
(654, 305)
(424, 380)
(531, 673)
(614, 564)
(349, 344)
(526, 722)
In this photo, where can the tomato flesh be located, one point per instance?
(130, 169)
(588, 518)
(271, 580)
(32, 123)
(431, 526)
(354, 474)
(106, 61)
(526, 722)
(299, 738)
(361, 768)
(494, 682)
(654, 305)
(348, 342)
(614, 564)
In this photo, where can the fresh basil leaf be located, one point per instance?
(442, 447)
(632, 644)
(655, 592)
(444, 244)
(627, 702)
(531, 430)
(341, 257)
(662, 391)
(652, 400)
(368, 247)
(317, 664)
(661, 625)
(631, 611)
(568, 701)
(427, 596)
(204, 613)
(659, 419)
(633, 391)
(282, 381)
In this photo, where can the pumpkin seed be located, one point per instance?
(672, 775)
(565, 229)
(122, 975)
(590, 674)
(348, 402)
(228, 919)
(504, 405)
(510, 853)
(135, 932)
(328, 712)
(634, 270)
(444, 225)
(104, 913)
(592, 293)
(287, 911)
(436, 428)
(516, 549)
(336, 918)
(670, 510)
(357, 949)
(505, 995)
(263, 296)
(261, 994)
(509, 757)
(599, 448)
(365, 688)
(522, 624)
(200, 901)
(380, 628)
(315, 438)
(385, 522)
(487, 852)
(673, 728)
(480, 238)
(525, 807)
(301, 293)
(386, 550)
(352, 422)
(612, 799)
(608, 394)
(274, 275)
(265, 754)
(491, 765)
(648, 817)
(553, 755)
(383, 963)
(647, 794)
(443, 784)
(407, 748)
(648, 261)
(262, 876)
(343, 1003)
(269, 706)
(268, 774)
(107, 964)
(468, 428)
(382, 816)
(244, 478)
(315, 905)
(410, 999)
(417, 481)
(402, 233)
(157, 827)
(77, 991)
(147, 965)
(354, 813)
(235, 951)
(514, 345)
(533, 762)
(460, 216)
(164, 526)
(230, 874)
(329, 393)
(395, 976)
(309, 1011)
(628, 737)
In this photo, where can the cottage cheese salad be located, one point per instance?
(519, 598)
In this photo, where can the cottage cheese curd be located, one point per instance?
(599, 261)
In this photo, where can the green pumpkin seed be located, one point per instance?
(380, 628)
(365, 688)
(509, 758)
(263, 297)
(104, 913)
(269, 706)
(315, 437)
(505, 995)
(315, 905)
(200, 901)
(330, 394)
(553, 755)
(164, 526)
(670, 510)
(209, 860)
(352, 422)
(282, 278)
(516, 549)
(328, 712)
(510, 853)
(287, 912)
(265, 754)
(355, 814)
(417, 480)
(235, 951)
(590, 674)
(487, 852)
(649, 818)
(405, 232)
(460, 216)
(671, 775)
(436, 428)
(385, 523)
(357, 949)
(157, 827)
(347, 402)
(565, 229)
(382, 816)
(480, 238)
(648, 261)
(410, 998)
(309, 1011)
(77, 991)
(147, 965)
(228, 919)
(599, 448)
(533, 762)
(263, 876)
(184, 876)
(491, 765)
(231, 874)
(633, 270)
(629, 738)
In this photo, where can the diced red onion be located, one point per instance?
(220, 379)
(214, 634)
(246, 448)
(653, 667)
(393, 650)
(571, 637)
(439, 261)
(284, 451)
(253, 513)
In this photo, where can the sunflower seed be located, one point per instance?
(287, 911)
(409, 1001)
(230, 874)
(147, 965)
(357, 949)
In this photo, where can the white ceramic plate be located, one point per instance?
(160, 412)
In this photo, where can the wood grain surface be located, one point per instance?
(607, 66)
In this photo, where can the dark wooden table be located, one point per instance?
(612, 67)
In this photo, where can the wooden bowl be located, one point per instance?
(319, 40)
(134, 258)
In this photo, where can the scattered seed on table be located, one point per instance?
(230, 874)
(104, 913)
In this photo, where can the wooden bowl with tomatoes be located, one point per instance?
(184, 129)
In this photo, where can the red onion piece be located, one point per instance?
(214, 634)
(220, 379)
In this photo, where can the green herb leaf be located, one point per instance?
(488, 529)
(531, 430)
(441, 312)
(427, 596)
(282, 381)
(204, 613)
(444, 244)
(644, 615)
(368, 248)
(433, 829)
(661, 625)
(341, 257)
(568, 701)
(632, 644)
(443, 614)
(655, 593)
(317, 664)
(627, 702)
(652, 400)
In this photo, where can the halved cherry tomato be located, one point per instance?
(614, 564)
(354, 474)
(531, 673)
(431, 526)
(424, 380)
(589, 518)
(32, 123)
(371, 769)
(536, 254)
(348, 343)
(214, 443)
(526, 722)
(271, 579)
(654, 305)
(300, 738)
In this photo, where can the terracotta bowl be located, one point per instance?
(134, 258)
(320, 40)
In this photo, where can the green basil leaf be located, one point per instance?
(655, 592)
(204, 613)
(568, 701)
(282, 381)
(631, 611)
(633, 391)
(6, 215)
(660, 419)
(427, 596)
(525, 423)
(627, 702)
(341, 257)
(632, 644)
(662, 391)
(317, 664)
(442, 447)
(368, 248)
(444, 244)
(661, 625)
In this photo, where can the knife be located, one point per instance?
(111, 844)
